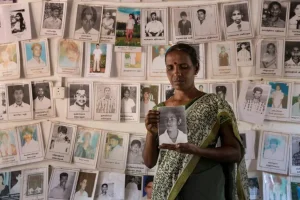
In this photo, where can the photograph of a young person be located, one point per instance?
(29, 140)
(146, 102)
(239, 18)
(296, 107)
(84, 149)
(274, 148)
(4, 189)
(184, 25)
(292, 57)
(35, 57)
(61, 139)
(108, 22)
(7, 144)
(15, 182)
(114, 147)
(62, 190)
(135, 153)
(274, 15)
(243, 55)
(35, 184)
(269, 57)
(41, 96)
(17, 21)
(87, 19)
(107, 103)
(223, 57)
(148, 187)
(253, 188)
(80, 100)
(294, 21)
(17, 95)
(128, 103)
(277, 97)
(85, 186)
(154, 27)
(255, 104)
(54, 21)
(182, 66)
(296, 155)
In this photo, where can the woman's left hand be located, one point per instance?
(186, 148)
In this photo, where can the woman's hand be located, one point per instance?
(151, 122)
(187, 148)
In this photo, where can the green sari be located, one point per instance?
(204, 117)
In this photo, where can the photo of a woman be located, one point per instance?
(269, 59)
(108, 24)
(223, 57)
(17, 23)
(127, 103)
(129, 28)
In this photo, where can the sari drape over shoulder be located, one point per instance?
(204, 117)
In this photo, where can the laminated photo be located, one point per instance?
(36, 60)
(98, 59)
(244, 53)
(279, 101)
(128, 30)
(62, 183)
(172, 125)
(133, 187)
(108, 26)
(135, 161)
(292, 58)
(43, 103)
(248, 141)
(253, 101)
(150, 97)
(294, 157)
(61, 142)
(200, 50)
(9, 61)
(88, 22)
(9, 149)
(10, 184)
(53, 19)
(19, 101)
(202, 87)
(167, 92)
(80, 103)
(156, 61)
(182, 28)
(295, 104)
(155, 26)
(206, 23)
(30, 143)
(293, 188)
(130, 104)
(237, 20)
(133, 65)
(254, 188)
(69, 58)
(293, 17)
(223, 60)
(3, 103)
(87, 147)
(107, 102)
(114, 150)
(273, 152)
(110, 186)
(275, 186)
(86, 185)
(273, 17)
(269, 58)
(35, 184)
(147, 187)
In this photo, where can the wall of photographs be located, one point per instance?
(248, 53)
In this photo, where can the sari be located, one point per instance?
(204, 115)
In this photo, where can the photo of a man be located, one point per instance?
(154, 27)
(29, 140)
(61, 191)
(104, 195)
(135, 152)
(36, 55)
(204, 25)
(274, 149)
(54, 21)
(80, 100)
(253, 188)
(158, 62)
(293, 49)
(148, 187)
(107, 103)
(296, 107)
(35, 184)
(243, 54)
(41, 101)
(273, 15)
(2, 102)
(114, 148)
(61, 139)
(87, 21)
(184, 25)
(85, 186)
(19, 98)
(97, 58)
(296, 155)
(238, 21)
(84, 147)
(255, 104)
(7, 144)
(221, 91)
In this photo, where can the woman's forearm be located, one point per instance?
(151, 151)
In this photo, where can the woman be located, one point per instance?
(146, 103)
(223, 57)
(129, 28)
(4, 190)
(277, 97)
(107, 24)
(269, 59)
(127, 104)
(197, 169)
(19, 25)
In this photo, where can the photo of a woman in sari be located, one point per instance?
(196, 169)
(269, 59)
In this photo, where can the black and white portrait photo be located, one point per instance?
(108, 25)
(41, 96)
(254, 188)
(292, 58)
(294, 19)
(86, 184)
(79, 98)
(172, 125)
(182, 24)
(53, 15)
(19, 98)
(61, 138)
(61, 184)
(226, 91)
(18, 21)
(294, 158)
(35, 184)
(110, 186)
(244, 53)
(88, 21)
(128, 99)
(135, 149)
(150, 97)
(3, 103)
(15, 183)
(133, 187)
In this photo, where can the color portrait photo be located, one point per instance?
(8, 57)
(87, 144)
(29, 139)
(114, 148)
(36, 54)
(85, 185)
(70, 54)
(149, 98)
(98, 53)
(8, 143)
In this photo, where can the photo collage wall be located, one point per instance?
(109, 164)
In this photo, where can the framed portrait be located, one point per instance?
(223, 59)
(98, 59)
(147, 186)
(80, 103)
(30, 143)
(254, 188)
(9, 149)
(133, 187)
(279, 101)
(108, 25)
(3, 103)
(237, 20)
(150, 97)
(294, 155)
(43, 103)
(114, 150)
(293, 17)
(69, 58)
(273, 152)
(205, 23)
(62, 183)
(19, 101)
(53, 19)
(133, 65)
(61, 142)
(128, 30)
(107, 101)
(156, 61)
(275, 186)
(130, 104)
(86, 185)
(88, 22)
(200, 51)
(273, 18)
(293, 187)
(87, 147)
(295, 102)
(244, 53)
(269, 56)
(291, 58)
(182, 27)
(202, 87)
(253, 101)
(9, 61)
(10, 182)
(167, 91)
(155, 26)
(36, 60)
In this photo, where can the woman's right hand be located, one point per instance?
(151, 122)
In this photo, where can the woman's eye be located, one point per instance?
(169, 67)
(184, 66)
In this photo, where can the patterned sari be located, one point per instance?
(204, 117)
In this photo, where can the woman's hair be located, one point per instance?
(126, 90)
(270, 44)
(183, 13)
(2, 178)
(189, 50)
(22, 24)
(132, 15)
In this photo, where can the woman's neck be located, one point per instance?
(182, 97)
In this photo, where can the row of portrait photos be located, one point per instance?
(132, 27)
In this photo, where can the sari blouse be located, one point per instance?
(204, 117)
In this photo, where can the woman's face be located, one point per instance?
(180, 70)
(271, 49)
(107, 15)
(130, 16)
(277, 87)
(18, 17)
(126, 94)
(297, 10)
